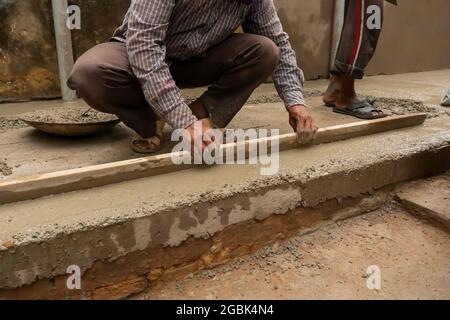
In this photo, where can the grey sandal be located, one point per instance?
(333, 104)
(362, 109)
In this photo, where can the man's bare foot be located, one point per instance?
(345, 99)
(331, 94)
(340, 92)
(341, 96)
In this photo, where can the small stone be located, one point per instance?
(8, 244)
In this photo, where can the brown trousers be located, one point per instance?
(233, 69)
(358, 43)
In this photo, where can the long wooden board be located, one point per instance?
(32, 187)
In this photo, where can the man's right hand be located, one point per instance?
(303, 124)
(199, 144)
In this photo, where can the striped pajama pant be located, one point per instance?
(358, 39)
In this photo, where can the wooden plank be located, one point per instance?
(32, 187)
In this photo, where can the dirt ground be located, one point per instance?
(412, 255)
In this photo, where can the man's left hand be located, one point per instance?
(303, 123)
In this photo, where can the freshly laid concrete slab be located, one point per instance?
(429, 198)
(29, 152)
(25, 151)
(427, 87)
(36, 186)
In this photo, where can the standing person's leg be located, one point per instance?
(359, 39)
(103, 78)
(232, 70)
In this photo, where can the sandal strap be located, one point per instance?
(138, 137)
(363, 106)
(370, 101)
(160, 137)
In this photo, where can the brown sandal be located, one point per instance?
(149, 145)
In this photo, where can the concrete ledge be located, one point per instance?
(121, 276)
(126, 236)
(429, 199)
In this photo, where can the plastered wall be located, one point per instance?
(415, 38)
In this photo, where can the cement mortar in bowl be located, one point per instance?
(70, 121)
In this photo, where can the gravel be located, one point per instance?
(405, 106)
(11, 123)
(72, 115)
(5, 170)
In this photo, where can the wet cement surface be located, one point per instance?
(36, 152)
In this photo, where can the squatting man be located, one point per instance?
(165, 45)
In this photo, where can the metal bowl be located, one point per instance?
(72, 129)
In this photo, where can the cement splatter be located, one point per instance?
(405, 106)
(5, 170)
(11, 123)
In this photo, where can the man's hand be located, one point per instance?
(196, 132)
(303, 123)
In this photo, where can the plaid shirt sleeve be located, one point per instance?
(288, 77)
(147, 26)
